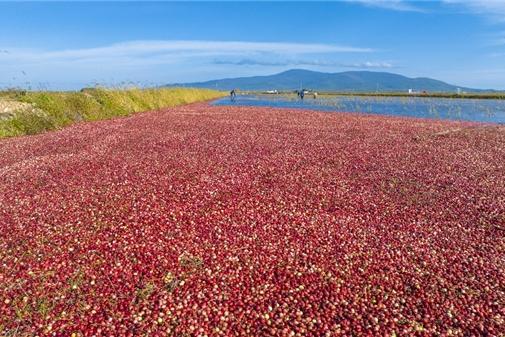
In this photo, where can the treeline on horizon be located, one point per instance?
(469, 95)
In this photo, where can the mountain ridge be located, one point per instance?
(354, 81)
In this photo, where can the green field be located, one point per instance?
(44, 111)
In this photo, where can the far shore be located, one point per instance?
(323, 94)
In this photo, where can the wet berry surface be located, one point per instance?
(243, 221)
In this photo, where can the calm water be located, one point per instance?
(477, 110)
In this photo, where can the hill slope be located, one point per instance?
(343, 81)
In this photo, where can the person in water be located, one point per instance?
(233, 95)
(302, 93)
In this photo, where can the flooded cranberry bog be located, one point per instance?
(484, 110)
(252, 221)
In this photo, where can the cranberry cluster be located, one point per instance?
(241, 221)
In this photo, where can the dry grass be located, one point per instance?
(44, 111)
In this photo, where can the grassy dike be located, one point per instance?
(54, 110)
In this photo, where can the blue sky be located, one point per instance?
(68, 45)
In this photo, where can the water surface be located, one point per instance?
(477, 110)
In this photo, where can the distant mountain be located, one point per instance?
(344, 81)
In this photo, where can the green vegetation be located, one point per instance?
(472, 95)
(54, 110)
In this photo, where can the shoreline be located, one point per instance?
(322, 94)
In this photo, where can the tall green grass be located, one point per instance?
(54, 110)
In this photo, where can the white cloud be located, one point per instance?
(491, 8)
(369, 65)
(396, 5)
(174, 49)
(302, 62)
(154, 61)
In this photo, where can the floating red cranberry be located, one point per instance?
(239, 221)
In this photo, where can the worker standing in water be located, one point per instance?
(233, 95)
(302, 93)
